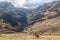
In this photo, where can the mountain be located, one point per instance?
(17, 17)
(45, 6)
(46, 26)
(49, 23)
(39, 12)
(37, 20)
(12, 15)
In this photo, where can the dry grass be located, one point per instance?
(49, 25)
(22, 36)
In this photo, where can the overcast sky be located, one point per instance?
(22, 3)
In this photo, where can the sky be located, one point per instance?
(27, 3)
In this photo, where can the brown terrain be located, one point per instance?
(46, 27)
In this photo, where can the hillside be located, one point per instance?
(40, 23)
(49, 23)
(43, 19)
(13, 16)
(46, 26)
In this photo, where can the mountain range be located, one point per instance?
(49, 23)
(29, 19)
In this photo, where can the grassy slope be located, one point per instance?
(49, 26)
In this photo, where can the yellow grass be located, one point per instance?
(21, 36)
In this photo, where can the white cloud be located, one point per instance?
(21, 3)
(2, 0)
(17, 3)
(38, 1)
(34, 1)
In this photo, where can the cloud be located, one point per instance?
(35, 3)
(3, 0)
(27, 3)
(18, 3)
